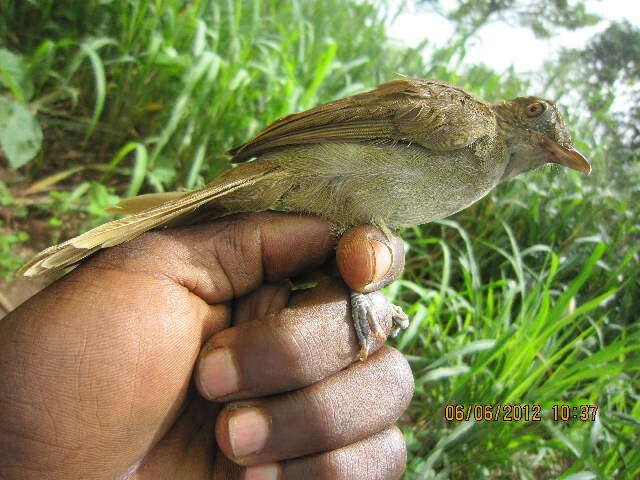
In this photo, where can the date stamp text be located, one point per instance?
(518, 412)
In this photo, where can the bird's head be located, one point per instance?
(536, 134)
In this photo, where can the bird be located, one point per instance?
(408, 152)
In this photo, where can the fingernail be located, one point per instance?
(266, 471)
(382, 260)
(248, 430)
(217, 374)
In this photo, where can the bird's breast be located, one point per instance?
(393, 184)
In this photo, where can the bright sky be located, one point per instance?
(499, 45)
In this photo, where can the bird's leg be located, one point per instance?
(387, 232)
(368, 310)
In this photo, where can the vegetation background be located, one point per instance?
(528, 297)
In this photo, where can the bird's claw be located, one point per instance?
(400, 320)
(367, 314)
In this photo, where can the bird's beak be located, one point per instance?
(566, 156)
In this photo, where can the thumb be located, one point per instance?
(368, 260)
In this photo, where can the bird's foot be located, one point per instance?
(367, 311)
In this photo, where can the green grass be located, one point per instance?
(528, 297)
(523, 337)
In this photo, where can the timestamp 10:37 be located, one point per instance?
(518, 412)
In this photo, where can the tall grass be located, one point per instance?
(181, 77)
(528, 297)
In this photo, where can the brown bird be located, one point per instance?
(409, 152)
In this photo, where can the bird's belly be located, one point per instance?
(384, 184)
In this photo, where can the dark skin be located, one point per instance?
(183, 354)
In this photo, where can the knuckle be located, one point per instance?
(136, 253)
(396, 453)
(238, 248)
(398, 372)
(379, 457)
(397, 443)
(240, 237)
(390, 449)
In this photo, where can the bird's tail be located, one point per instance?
(156, 210)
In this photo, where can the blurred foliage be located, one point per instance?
(529, 296)
(614, 54)
(543, 17)
(611, 62)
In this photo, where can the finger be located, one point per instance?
(368, 260)
(306, 342)
(351, 405)
(227, 258)
(266, 299)
(380, 457)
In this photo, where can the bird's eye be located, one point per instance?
(535, 109)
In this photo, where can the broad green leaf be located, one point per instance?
(15, 76)
(20, 133)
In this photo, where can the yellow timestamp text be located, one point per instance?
(498, 412)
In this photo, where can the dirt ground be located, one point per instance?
(21, 288)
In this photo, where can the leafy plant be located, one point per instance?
(20, 133)
(528, 297)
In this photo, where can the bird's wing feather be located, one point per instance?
(143, 202)
(124, 229)
(435, 115)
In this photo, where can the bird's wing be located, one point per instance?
(434, 114)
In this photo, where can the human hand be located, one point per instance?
(95, 371)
